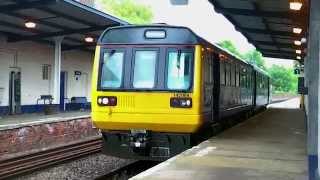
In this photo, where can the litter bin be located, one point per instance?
(49, 108)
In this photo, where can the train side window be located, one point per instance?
(260, 81)
(112, 69)
(243, 77)
(237, 76)
(250, 79)
(228, 74)
(222, 73)
(211, 68)
(233, 75)
(247, 79)
(145, 68)
(206, 67)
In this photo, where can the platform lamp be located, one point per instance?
(297, 43)
(297, 30)
(298, 51)
(30, 24)
(295, 5)
(89, 39)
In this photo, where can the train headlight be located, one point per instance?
(107, 101)
(181, 102)
(99, 100)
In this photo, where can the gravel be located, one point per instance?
(85, 168)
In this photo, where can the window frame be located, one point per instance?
(46, 72)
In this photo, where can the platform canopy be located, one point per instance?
(268, 25)
(53, 18)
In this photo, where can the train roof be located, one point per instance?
(261, 71)
(160, 34)
(137, 34)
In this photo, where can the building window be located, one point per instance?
(46, 70)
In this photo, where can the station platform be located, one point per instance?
(30, 133)
(268, 146)
(21, 120)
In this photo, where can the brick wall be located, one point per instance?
(34, 138)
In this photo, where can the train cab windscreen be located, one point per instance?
(144, 69)
(179, 70)
(112, 69)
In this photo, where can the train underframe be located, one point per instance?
(157, 146)
(145, 145)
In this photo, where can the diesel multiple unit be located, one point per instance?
(158, 89)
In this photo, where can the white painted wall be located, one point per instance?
(6, 61)
(30, 57)
(78, 61)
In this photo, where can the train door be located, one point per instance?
(269, 90)
(216, 86)
(63, 90)
(255, 88)
(208, 83)
(14, 91)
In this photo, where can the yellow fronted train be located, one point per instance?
(158, 90)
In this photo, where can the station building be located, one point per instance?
(46, 54)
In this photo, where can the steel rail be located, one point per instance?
(129, 170)
(30, 162)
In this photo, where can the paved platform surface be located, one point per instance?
(269, 146)
(16, 121)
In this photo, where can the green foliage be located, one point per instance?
(253, 57)
(256, 58)
(128, 10)
(228, 45)
(283, 79)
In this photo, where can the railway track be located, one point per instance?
(26, 163)
(128, 171)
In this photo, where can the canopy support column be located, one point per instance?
(312, 82)
(57, 70)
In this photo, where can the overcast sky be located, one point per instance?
(200, 16)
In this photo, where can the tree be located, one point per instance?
(128, 10)
(253, 57)
(228, 45)
(283, 79)
(256, 58)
